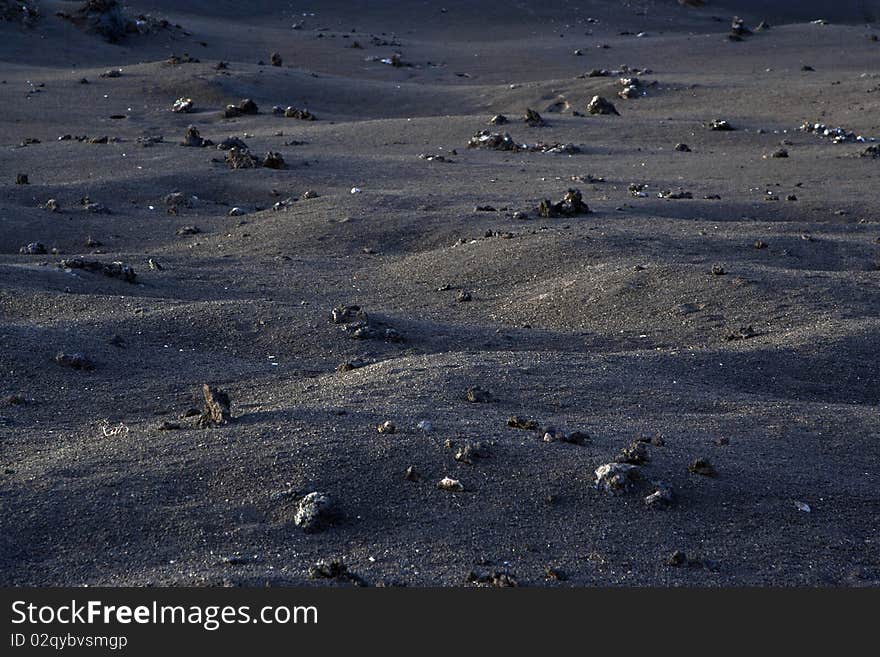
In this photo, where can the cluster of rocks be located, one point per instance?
(676, 195)
(111, 269)
(498, 579)
(354, 321)
(183, 106)
(504, 142)
(186, 58)
(244, 106)
(242, 158)
(571, 205)
(624, 70)
(294, 113)
(549, 433)
(624, 474)
(638, 190)
(238, 155)
(108, 19)
(103, 139)
(836, 135)
(633, 87)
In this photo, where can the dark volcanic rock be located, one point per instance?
(599, 105)
(533, 119)
(232, 142)
(301, 114)
(216, 410)
(518, 422)
(571, 205)
(241, 158)
(313, 512)
(616, 477)
(112, 269)
(703, 467)
(193, 138)
(273, 160)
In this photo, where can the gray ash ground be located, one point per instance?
(668, 376)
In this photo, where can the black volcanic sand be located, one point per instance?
(610, 323)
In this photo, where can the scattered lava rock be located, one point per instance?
(493, 140)
(616, 477)
(216, 410)
(517, 422)
(675, 196)
(553, 435)
(245, 106)
(504, 142)
(571, 205)
(113, 269)
(241, 158)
